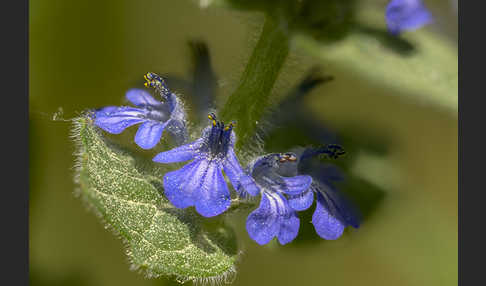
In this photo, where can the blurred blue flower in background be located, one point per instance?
(333, 211)
(154, 115)
(201, 183)
(402, 15)
(274, 217)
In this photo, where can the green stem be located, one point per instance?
(247, 104)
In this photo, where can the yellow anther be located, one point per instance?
(149, 76)
(214, 122)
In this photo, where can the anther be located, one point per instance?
(229, 126)
(212, 117)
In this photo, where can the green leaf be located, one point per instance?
(126, 192)
(420, 65)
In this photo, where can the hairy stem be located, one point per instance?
(249, 101)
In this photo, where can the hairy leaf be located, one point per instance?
(126, 192)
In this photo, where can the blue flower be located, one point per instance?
(333, 211)
(200, 183)
(406, 15)
(274, 217)
(154, 115)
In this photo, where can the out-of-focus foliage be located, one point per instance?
(421, 64)
(353, 36)
(327, 20)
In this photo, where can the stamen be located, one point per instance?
(155, 81)
(230, 126)
(292, 158)
(212, 117)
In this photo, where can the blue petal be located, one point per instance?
(107, 109)
(263, 223)
(248, 185)
(180, 185)
(149, 133)
(178, 130)
(237, 176)
(115, 119)
(345, 210)
(179, 154)
(302, 201)
(326, 221)
(296, 185)
(289, 227)
(212, 197)
(232, 168)
(273, 218)
(406, 15)
(141, 98)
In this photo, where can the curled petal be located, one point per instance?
(296, 185)
(248, 185)
(326, 220)
(237, 176)
(176, 107)
(212, 197)
(180, 185)
(116, 119)
(232, 168)
(178, 154)
(149, 133)
(302, 201)
(141, 98)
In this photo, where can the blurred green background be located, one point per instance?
(86, 54)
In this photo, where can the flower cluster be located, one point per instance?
(154, 115)
(286, 182)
